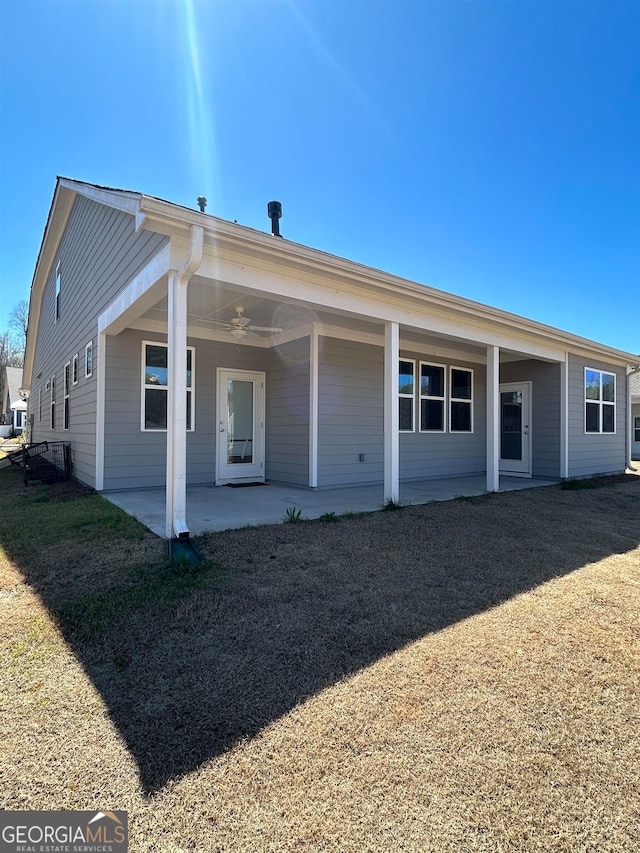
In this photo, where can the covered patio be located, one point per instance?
(337, 337)
(215, 508)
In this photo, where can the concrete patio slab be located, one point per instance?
(214, 508)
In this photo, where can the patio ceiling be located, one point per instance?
(209, 306)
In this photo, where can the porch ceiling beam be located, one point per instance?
(142, 293)
(352, 301)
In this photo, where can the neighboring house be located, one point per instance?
(170, 347)
(634, 382)
(13, 411)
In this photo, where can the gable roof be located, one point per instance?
(155, 214)
(12, 384)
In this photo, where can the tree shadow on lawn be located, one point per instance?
(190, 662)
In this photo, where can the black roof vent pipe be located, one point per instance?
(274, 210)
(202, 203)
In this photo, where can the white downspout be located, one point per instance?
(176, 487)
(631, 371)
(391, 416)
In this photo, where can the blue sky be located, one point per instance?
(491, 149)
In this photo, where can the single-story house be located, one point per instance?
(170, 347)
(13, 408)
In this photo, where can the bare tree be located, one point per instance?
(11, 355)
(18, 320)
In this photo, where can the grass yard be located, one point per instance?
(462, 676)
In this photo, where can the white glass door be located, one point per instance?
(515, 429)
(240, 425)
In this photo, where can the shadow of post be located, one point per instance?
(189, 663)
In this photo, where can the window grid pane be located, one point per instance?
(155, 408)
(431, 380)
(608, 418)
(432, 415)
(608, 388)
(592, 417)
(592, 384)
(405, 378)
(406, 414)
(460, 384)
(460, 416)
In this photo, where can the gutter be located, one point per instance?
(631, 371)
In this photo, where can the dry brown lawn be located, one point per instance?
(463, 676)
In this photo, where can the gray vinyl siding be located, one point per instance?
(425, 455)
(545, 424)
(350, 413)
(635, 445)
(351, 422)
(99, 254)
(595, 453)
(287, 436)
(135, 458)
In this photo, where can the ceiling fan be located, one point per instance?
(240, 326)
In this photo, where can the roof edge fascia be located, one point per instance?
(64, 195)
(175, 221)
(125, 200)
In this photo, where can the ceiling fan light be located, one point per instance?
(239, 333)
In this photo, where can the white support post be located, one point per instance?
(493, 419)
(176, 502)
(564, 417)
(313, 406)
(176, 488)
(391, 417)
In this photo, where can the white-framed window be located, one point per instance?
(57, 297)
(406, 394)
(75, 369)
(599, 401)
(636, 429)
(65, 395)
(155, 371)
(460, 399)
(21, 418)
(432, 397)
(52, 421)
(88, 360)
